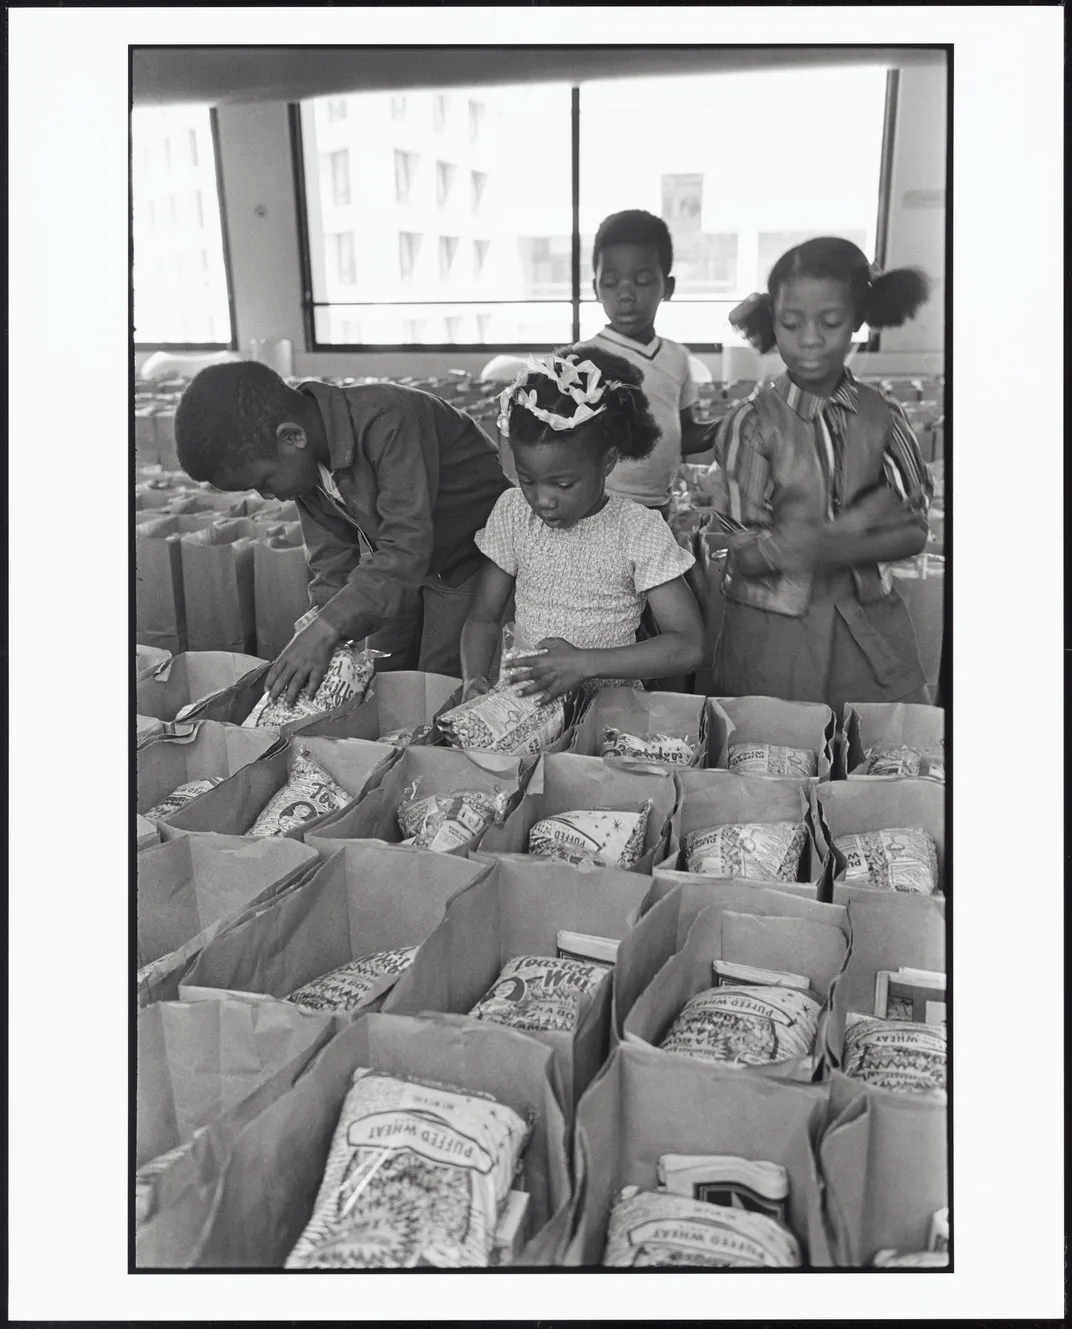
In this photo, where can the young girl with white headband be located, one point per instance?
(581, 563)
(825, 485)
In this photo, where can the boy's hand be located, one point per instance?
(303, 663)
(556, 668)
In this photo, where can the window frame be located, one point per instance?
(184, 347)
(310, 304)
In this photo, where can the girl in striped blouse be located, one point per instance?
(825, 485)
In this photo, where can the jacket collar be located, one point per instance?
(338, 423)
(807, 405)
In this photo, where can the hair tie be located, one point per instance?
(578, 381)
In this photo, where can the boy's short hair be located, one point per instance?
(635, 227)
(228, 416)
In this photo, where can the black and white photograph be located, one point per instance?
(529, 466)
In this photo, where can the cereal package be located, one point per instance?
(403, 738)
(416, 1173)
(911, 1260)
(895, 1054)
(346, 988)
(601, 837)
(449, 823)
(897, 860)
(665, 749)
(502, 720)
(348, 675)
(745, 1026)
(770, 759)
(308, 794)
(536, 992)
(650, 1229)
(147, 1176)
(178, 798)
(758, 851)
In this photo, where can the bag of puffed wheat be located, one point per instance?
(147, 1176)
(770, 759)
(650, 1229)
(539, 993)
(745, 1026)
(416, 1173)
(178, 798)
(664, 749)
(449, 823)
(895, 1054)
(348, 987)
(896, 860)
(602, 837)
(757, 851)
(348, 675)
(502, 720)
(308, 794)
(911, 1260)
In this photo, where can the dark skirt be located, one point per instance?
(840, 650)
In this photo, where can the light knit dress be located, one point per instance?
(588, 584)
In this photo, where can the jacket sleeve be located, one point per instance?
(331, 559)
(904, 469)
(745, 499)
(402, 459)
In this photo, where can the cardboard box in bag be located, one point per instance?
(883, 1160)
(665, 923)
(200, 750)
(642, 715)
(365, 898)
(849, 806)
(714, 798)
(399, 699)
(868, 723)
(232, 808)
(274, 1171)
(645, 1104)
(519, 909)
(572, 783)
(207, 1065)
(205, 685)
(160, 601)
(792, 724)
(436, 771)
(790, 944)
(191, 889)
(217, 575)
(280, 590)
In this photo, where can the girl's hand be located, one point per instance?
(557, 669)
(475, 687)
(799, 545)
(880, 507)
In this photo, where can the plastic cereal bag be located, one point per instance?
(308, 794)
(416, 1173)
(887, 759)
(178, 798)
(911, 1260)
(504, 721)
(769, 759)
(403, 738)
(348, 675)
(757, 851)
(932, 767)
(348, 987)
(602, 837)
(539, 993)
(745, 1026)
(664, 749)
(898, 860)
(449, 823)
(651, 1229)
(895, 1054)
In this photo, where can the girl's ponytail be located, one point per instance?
(754, 319)
(631, 427)
(895, 297)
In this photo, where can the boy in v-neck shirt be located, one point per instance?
(631, 259)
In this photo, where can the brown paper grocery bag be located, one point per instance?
(281, 589)
(645, 1104)
(643, 715)
(275, 1168)
(573, 783)
(883, 1163)
(868, 723)
(209, 1064)
(147, 659)
(436, 771)
(519, 909)
(363, 899)
(665, 923)
(192, 888)
(793, 724)
(146, 452)
(207, 685)
(399, 699)
(791, 944)
(231, 808)
(217, 574)
(164, 422)
(705, 579)
(201, 750)
(160, 603)
(921, 584)
(849, 806)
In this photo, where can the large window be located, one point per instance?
(702, 152)
(181, 279)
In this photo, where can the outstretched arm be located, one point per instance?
(480, 634)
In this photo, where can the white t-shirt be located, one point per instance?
(589, 584)
(670, 390)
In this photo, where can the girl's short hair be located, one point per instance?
(879, 299)
(626, 423)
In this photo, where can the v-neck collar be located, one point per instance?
(649, 352)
